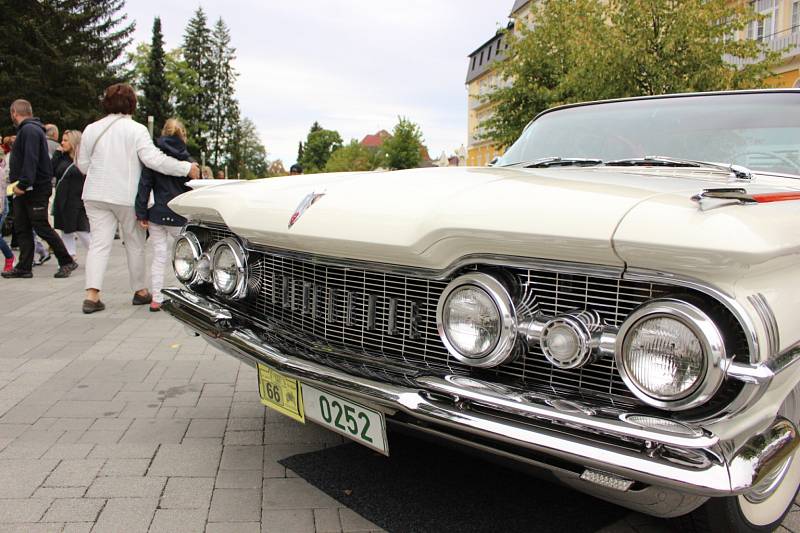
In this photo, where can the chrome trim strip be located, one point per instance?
(762, 307)
(710, 478)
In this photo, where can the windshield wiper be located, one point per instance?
(547, 162)
(738, 171)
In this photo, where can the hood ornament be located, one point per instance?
(305, 203)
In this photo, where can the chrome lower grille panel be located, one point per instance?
(391, 318)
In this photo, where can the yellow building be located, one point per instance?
(780, 31)
(482, 78)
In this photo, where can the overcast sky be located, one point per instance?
(353, 65)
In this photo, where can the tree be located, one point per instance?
(353, 157)
(319, 146)
(583, 50)
(404, 148)
(181, 80)
(156, 101)
(61, 55)
(195, 108)
(299, 151)
(223, 118)
(248, 157)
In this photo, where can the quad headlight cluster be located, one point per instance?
(668, 352)
(224, 265)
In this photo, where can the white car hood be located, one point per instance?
(433, 217)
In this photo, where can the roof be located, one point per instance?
(482, 59)
(519, 4)
(376, 140)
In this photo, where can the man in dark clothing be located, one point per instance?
(31, 169)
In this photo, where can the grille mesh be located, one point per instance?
(326, 309)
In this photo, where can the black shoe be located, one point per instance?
(42, 260)
(17, 273)
(90, 307)
(142, 300)
(65, 270)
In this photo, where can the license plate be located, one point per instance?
(345, 417)
(281, 393)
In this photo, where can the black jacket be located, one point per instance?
(30, 160)
(164, 188)
(68, 211)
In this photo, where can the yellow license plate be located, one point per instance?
(281, 393)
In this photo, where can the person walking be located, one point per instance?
(30, 167)
(51, 131)
(68, 209)
(114, 150)
(162, 222)
(5, 249)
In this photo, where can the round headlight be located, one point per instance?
(185, 255)
(476, 320)
(228, 268)
(671, 354)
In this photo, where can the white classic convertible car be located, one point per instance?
(614, 301)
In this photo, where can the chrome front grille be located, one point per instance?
(391, 318)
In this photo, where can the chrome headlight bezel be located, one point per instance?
(707, 333)
(197, 250)
(503, 349)
(239, 290)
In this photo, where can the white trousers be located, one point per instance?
(103, 219)
(162, 239)
(71, 241)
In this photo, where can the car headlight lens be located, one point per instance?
(477, 321)
(228, 268)
(471, 321)
(671, 354)
(185, 255)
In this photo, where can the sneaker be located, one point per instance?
(65, 270)
(17, 273)
(155, 307)
(142, 300)
(42, 260)
(90, 307)
(9, 264)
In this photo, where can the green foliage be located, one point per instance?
(156, 100)
(195, 107)
(353, 157)
(223, 120)
(248, 157)
(404, 148)
(319, 146)
(61, 55)
(583, 50)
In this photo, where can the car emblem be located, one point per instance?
(307, 202)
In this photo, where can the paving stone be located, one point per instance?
(206, 428)
(124, 451)
(218, 389)
(69, 451)
(242, 458)
(126, 487)
(31, 528)
(327, 521)
(78, 527)
(287, 521)
(353, 522)
(125, 467)
(178, 521)
(194, 460)
(246, 424)
(53, 493)
(101, 437)
(235, 505)
(243, 438)
(233, 527)
(74, 510)
(111, 424)
(295, 493)
(187, 493)
(27, 510)
(239, 479)
(126, 515)
(74, 473)
(83, 409)
(155, 431)
(20, 478)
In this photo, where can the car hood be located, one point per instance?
(433, 217)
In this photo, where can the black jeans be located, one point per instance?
(30, 214)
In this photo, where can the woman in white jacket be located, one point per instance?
(112, 153)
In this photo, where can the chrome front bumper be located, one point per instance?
(690, 461)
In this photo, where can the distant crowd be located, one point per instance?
(109, 181)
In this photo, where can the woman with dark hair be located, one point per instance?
(114, 150)
(69, 212)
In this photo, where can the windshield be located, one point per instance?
(760, 131)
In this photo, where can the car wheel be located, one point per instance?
(765, 508)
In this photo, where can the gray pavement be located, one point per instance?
(121, 422)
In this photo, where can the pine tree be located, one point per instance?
(300, 151)
(156, 88)
(195, 107)
(224, 110)
(61, 55)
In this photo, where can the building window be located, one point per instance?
(481, 63)
(499, 42)
(474, 60)
(489, 55)
(795, 16)
(765, 28)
